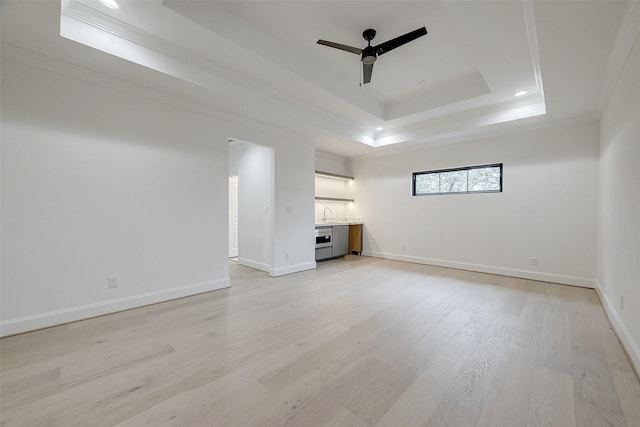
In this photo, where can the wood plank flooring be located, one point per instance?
(357, 342)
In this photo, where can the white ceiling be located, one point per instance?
(259, 61)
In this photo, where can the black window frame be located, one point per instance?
(464, 168)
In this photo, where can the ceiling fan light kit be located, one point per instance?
(370, 53)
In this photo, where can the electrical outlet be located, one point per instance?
(112, 282)
(534, 260)
(621, 302)
(404, 248)
(286, 255)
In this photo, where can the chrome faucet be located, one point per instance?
(324, 214)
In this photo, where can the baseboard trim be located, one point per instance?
(630, 346)
(502, 271)
(289, 269)
(254, 264)
(72, 314)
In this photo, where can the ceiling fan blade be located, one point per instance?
(400, 40)
(351, 49)
(367, 70)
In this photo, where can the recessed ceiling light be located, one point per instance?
(522, 92)
(111, 4)
(379, 129)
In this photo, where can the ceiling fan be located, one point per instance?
(370, 53)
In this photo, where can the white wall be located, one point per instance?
(332, 163)
(547, 209)
(253, 164)
(294, 246)
(619, 207)
(97, 182)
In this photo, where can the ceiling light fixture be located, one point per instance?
(522, 92)
(111, 4)
(379, 129)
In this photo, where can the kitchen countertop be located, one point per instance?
(338, 221)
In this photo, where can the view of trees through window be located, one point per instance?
(470, 179)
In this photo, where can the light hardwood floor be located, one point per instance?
(357, 342)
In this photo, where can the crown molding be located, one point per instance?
(466, 120)
(530, 124)
(627, 36)
(194, 68)
(532, 38)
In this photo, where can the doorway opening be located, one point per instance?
(251, 200)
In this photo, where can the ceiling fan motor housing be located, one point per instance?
(369, 55)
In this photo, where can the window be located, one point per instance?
(470, 179)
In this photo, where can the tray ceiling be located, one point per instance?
(260, 60)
